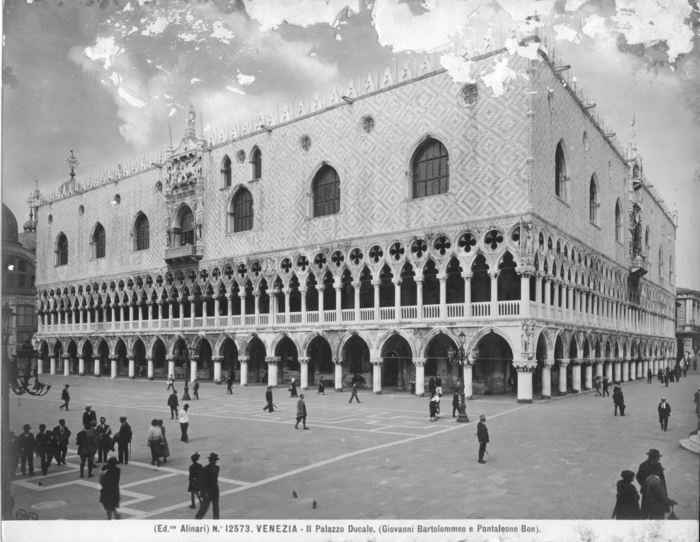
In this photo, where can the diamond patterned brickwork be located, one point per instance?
(487, 178)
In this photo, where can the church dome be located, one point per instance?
(30, 225)
(9, 226)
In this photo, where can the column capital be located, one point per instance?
(242, 294)
(131, 357)
(418, 280)
(65, 356)
(356, 285)
(376, 362)
(577, 361)
(320, 287)
(243, 359)
(442, 277)
(525, 366)
(52, 355)
(150, 358)
(494, 274)
(525, 270)
(376, 283)
(419, 362)
(191, 299)
(564, 362)
(286, 291)
(548, 363)
(217, 359)
(256, 293)
(304, 361)
(467, 275)
(169, 358)
(337, 361)
(396, 281)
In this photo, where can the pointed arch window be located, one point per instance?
(62, 250)
(593, 201)
(186, 228)
(560, 172)
(430, 169)
(241, 215)
(142, 233)
(98, 242)
(661, 265)
(618, 222)
(647, 243)
(226, 171)
(670, 270)
(326, 192)
(256, 160)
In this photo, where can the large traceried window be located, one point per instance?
(226, 171)
(186, 228)
(241, 215)
(618, 222)
(256, 160)
(560, 177)
(326, 192)
(431, 172)
(661, 264)
(142, 233)
(98, 242)
(593, 202)
(62, 250)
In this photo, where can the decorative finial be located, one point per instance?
(73, 163)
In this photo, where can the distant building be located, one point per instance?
(687, 322)
(18, 277)
(363, 232)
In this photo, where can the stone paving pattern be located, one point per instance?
(557, 459)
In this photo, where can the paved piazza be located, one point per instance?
(380, 459)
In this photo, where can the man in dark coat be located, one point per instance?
(268, 398)
(664, 412)
(301, 412)
(61, 436)
(43, 448)
(643, 473)
(657, 502)
(89, 415)
(666, 376)
(123, 439)
(209, 488)
(660, 375)
(354, 393)
(195, 476)
(627, 505)
(173, 404)
(25, 444)
(65, 397)
(109, 494)
(696, 400)
(431, 386)
(606, 382)
(104, 440)
(650, 376)
(438, 385)
(87, 446)
(195, 388)
(619, 399)
(455, 403)
(229, 383)
(482, 434)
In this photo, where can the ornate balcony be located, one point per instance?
(639, 266)
(192, 253)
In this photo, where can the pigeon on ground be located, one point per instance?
(294, 493)
(314, 503)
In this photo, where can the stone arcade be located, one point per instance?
(363, 232)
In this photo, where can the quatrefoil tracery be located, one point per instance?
(418, 248)
(302, 263)
(442, 245)
(466, 242)
(356, 256)
(337, 258)
(320, 260)
(397, 251)
(376, 253)
(493, 239)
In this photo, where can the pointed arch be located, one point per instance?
(491, 329)
(434, 332)
(349, 335)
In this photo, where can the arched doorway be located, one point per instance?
(104, 366)
(541, 355)
(43, 355)
(180, 359)
(396, 361)
(288, 366)
(140, 363)
(229, 363)
(320, 361)
(72, 351)
(257, 369)
(492, 366)
(437, 362)
(356, 360)
(205, 365)
(557, 367)
(87, 358)
(122, 361)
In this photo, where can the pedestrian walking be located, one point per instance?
(89, 416)
(354, 393)
(431, 386)
(293, 389)
(165, 448)
(65, 397)
(229, 384)
(511, 383)
(671, 375)
(455, 403)
(482, 434)
(650, 376)
(173, 404)
(104, 440)
(596, 384)
(109, 494)
(618, 399)
(438, 385)
(43, 448)
(268, 397)
(321, 387)
(194, 479)
(660, 375)
(433, 408)
(26, 443)
(685, 370)
(301, 412)
(155, 442)
(643, 473)
(658, 502)
(678, 372)
(123, 439)
(667, 376)
(627, 504)
(209, 488)
(171, 383)
(606, 383)
(413, 386)
(61, 435)
(439, 396)
(696, 400)
(664, 412)
(86, 440)
(195, 388)
(184, 423)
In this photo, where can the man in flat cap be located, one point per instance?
(123, 438)
(65, 397)
(89, 415)
(482, 434)
(209, 488)
(644, 472)
(664, 413)
(25, 444)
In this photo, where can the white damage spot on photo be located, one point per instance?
(272, 13)
(128, 98)
(245, 79)
(499, 76)
(458, 68)
(565, 32)
(104, 51)
(156, 27)
(222, 33)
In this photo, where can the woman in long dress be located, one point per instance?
(165, 447)
(109, 494)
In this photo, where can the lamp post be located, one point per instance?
(186, 393)
(460, 357)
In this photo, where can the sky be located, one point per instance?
(105, 78)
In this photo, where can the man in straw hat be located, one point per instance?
(644, 472)
(482, 434)
(209, 488)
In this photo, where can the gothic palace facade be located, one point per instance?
(371, 230)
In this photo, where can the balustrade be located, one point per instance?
(431, 311)
(481, 309)
(329, 316)
(312, 317)
(348, 315)
(249, 320)
(409, 313)
(295, 318)
(386, 313)
(366, 315)
(455, 310)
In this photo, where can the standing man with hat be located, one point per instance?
(644, 472)
(657, 501)
(87, 446)
(184, 420)
(25, 443)
(209, 488)
(61, 435)
(301, 412)
(173, 404)
(696, 400)
(124, 437)
(482, 434)
(43, 448)
(65, 397)
(664, 413)
(268, 398)
(104, 440)
(89, 415)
